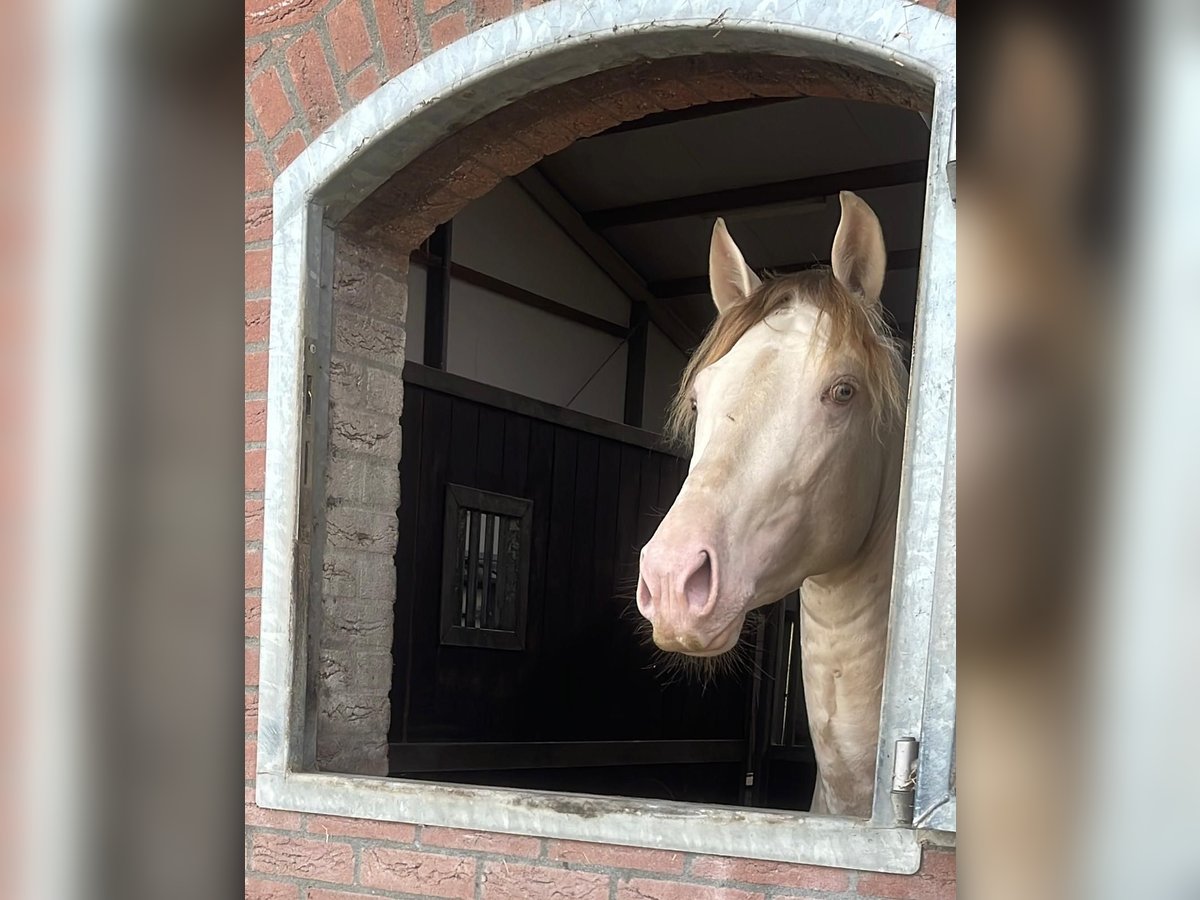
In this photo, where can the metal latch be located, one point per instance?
(904, 779)
(310, 364)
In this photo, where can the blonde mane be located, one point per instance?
(854, 326)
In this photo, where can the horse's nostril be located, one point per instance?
(698, 586)
(645, 602)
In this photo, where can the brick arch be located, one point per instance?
(466, 165)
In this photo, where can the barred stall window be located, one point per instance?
(485, 578)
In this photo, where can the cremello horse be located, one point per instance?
(794, 406)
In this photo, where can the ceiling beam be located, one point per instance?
(467, 275)
(778, 193)
(698, 285)
(601, 252)
(701, 111)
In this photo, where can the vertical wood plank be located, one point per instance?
(627, 546)
(583, 549)
(489, 457)
(604, 553)
(537, 486)
(437, 411)
(557, 597)
(515, 465)
(649, 512)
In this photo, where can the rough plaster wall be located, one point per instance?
(501, 342)
(506, 234)
(664, 366)
(359, 574)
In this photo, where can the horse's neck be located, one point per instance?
(844, 614)
(859, 591)
(843, 641)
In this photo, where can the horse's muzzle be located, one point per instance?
(677, 593)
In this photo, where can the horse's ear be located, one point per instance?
(730, 278)
(859, 257)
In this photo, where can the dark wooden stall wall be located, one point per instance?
(586, 673)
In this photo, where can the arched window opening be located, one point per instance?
(580, 286)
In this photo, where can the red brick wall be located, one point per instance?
(307, 62)
(348, 859)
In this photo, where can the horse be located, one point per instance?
(793, 405)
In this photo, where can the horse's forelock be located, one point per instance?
(853, 325)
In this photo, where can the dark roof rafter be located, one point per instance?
(515, 292)
(779, 193)
(547, 195)
(698, 285)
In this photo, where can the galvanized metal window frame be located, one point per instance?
(413, 112)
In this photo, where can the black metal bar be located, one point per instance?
(459, 756)
(521, 295)
(754, 196)
(483, 614)
(635, 364)
(496, 619)
(471, 602)
(457, 386)
(437, 297)
(699, 284)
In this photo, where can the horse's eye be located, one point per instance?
(842, 392)
(693, 404)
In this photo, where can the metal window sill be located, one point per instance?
(660, 824)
